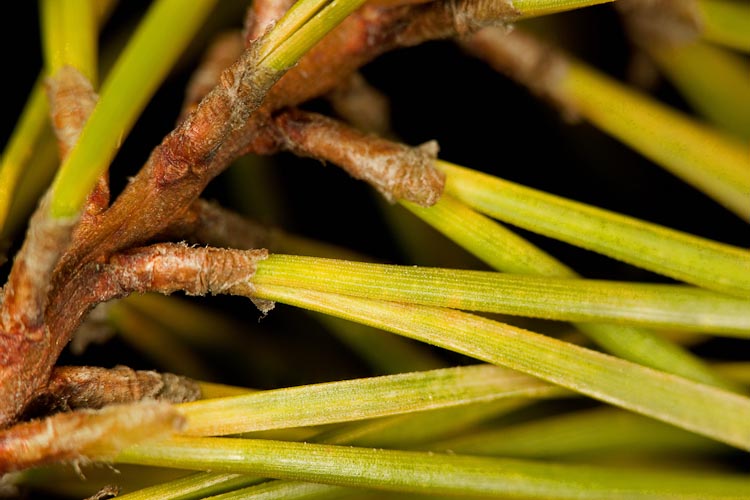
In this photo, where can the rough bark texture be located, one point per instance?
(27, 341)
(362, 105)
(397, 171)
(170, 267)
(220, 55)
(85, 434)
(208, 223)
(89, 387)
(62, 272)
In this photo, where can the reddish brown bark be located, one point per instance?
(41, 308)
(225, 50)
(85, 434)
(397, 171)
(209, 224)
(90, 387)
(26, 340)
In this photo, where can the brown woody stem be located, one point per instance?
(396, 170)
(225, 50)
(208, 223)
(451, 18)
(170, 267)
(25, 339)
(88, 387)
(85, 434)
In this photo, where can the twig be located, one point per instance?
(85, 434)
(226, 49)
(208, 223)
(23, 332)
(89, 387)
(229, 121)
(397, 171)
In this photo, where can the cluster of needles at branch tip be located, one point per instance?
(228, 121)
(85, 249)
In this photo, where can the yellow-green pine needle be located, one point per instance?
(499, 247)
(70, 36)
(683, 256)
(291, 490)
(715, 81)
(404, 430)
(533, 8)
(651, 349)
(137, 73)
(505, 251)
(736, 370)
(21, 146)
(198, 485)
(716, 164)
(430, 472)
(726, 22)
(358, 399)
(298, 43)
(413, 429)
(297, 15)
(664, 306)
(700, 408)
(587, 433)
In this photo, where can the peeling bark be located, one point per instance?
(85, 435)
